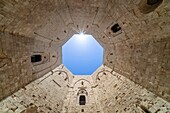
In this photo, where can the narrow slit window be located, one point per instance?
(36, 58)
(82, 100)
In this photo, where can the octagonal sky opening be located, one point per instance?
(82, 54)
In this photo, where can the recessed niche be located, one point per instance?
(147, 6)
(152, 2)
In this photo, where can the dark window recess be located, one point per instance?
(82, 100)
(149, 5)
(115, 28)
(82, 110)
(144, 109)
(152, 2)
(36, 58)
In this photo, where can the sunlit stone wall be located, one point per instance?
(106, 92)
(117, 94)
(45, 95)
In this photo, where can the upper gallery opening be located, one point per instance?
(82, 54)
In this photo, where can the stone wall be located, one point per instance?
(16, 69)
(81, 85)
(106, 92)
(117, 94)
(140, 51)
(45, 95)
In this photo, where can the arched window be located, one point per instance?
(36, 58)
(82, 100)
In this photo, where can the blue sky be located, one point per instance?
(82, 54)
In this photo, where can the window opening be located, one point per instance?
(82, 100)
(147, 6)
(36, 58)
(152, 2)
(115, 28)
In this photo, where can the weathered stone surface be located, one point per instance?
(139, 52)
(106, 92)
(117, 94)
(16, 69)
(41, 96)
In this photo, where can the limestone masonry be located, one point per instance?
(134, 77)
